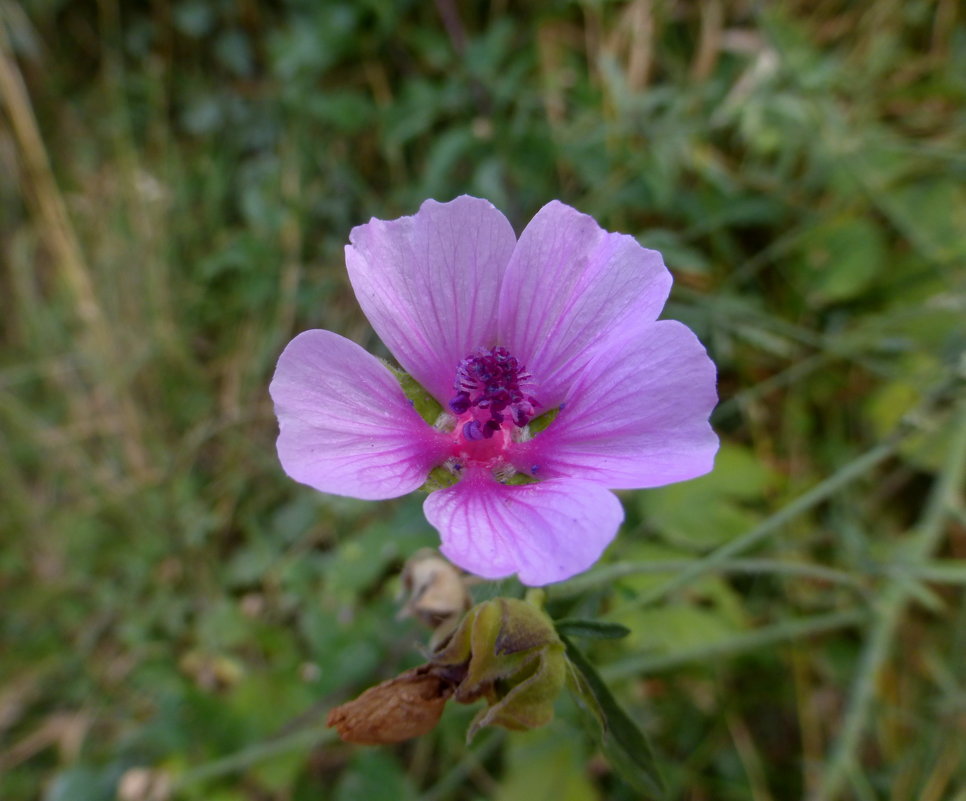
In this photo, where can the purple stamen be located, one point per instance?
(492, 381)
(460, 403)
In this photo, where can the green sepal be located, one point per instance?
(509, 654)
(524, 626)
(439, 478)
(426, 405)
(533, 690)
(538, 424)
(518, 479)
(495, 639)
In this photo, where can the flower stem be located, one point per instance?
(767, 635)
(536, 596)
(609, 573)
(813, 497)
(240, 760)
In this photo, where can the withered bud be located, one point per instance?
(144, 784)
(435, 590)
(395, 710)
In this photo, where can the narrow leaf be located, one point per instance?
(624, 744)
(591, 629)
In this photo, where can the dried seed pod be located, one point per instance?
(395, 710)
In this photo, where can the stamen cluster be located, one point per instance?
(495, 383)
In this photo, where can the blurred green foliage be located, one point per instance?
(180, 179)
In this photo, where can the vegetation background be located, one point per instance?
(179, 178)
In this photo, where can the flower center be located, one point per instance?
(492, 391)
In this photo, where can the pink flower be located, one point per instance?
(499, 332)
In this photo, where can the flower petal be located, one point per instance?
(543, 532)
(345, 425)
(636, 417)
(430, 283)
(568, 285)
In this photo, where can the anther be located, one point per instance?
(460, 403)
(473, 431)
(495, 383)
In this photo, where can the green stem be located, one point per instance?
(923, 541)
(767, 635)
(939, 571)
(606, 575)
(816, 495)
(455, 777)
(536, 596)
(241, 760)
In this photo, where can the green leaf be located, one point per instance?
(83, 783)
(591, 629)
(932, 215)
(622, 741)
(841, 257)
(541, 765)
(713, 509)
(376, 776)
(680, 256)
(926, 449)
(584, 696)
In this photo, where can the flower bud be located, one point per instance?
(512, 657)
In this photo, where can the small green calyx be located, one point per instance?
(509, 475)
(426, 405)
(507, 652)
